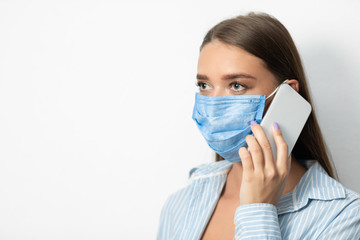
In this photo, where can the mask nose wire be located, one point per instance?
(276, 89)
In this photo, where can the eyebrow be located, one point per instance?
(227, 76)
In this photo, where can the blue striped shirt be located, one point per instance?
(318, 207)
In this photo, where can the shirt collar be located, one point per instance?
(210, 169)
(314, 184)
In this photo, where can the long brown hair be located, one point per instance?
(265, 37)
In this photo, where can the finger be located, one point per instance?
(264, 144)
(245, 156)
(256, 152)
(282, 162)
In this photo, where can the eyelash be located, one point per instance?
(236, 82)
(198, 84)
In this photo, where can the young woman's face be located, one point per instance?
(225, 69)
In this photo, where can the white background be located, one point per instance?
(96, 100)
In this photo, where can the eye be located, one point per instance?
(237, 87)
(202, 86)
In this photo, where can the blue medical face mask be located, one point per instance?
(225, 121)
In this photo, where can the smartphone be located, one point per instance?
(290, 110)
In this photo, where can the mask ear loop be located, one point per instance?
(276, 89)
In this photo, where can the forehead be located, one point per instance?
(216, 57)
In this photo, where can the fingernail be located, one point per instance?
(276, 126)
(253, 123)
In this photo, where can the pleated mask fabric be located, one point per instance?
(224, 121)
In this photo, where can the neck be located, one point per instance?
(234, 178)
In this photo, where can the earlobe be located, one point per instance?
(294, 84)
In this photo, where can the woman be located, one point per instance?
(252, 195)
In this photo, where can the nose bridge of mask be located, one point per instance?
(276, 89)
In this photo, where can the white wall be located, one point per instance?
(96, 100)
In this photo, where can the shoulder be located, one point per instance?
(320, 186)
(332, 207)
(202, 171)
(344, 221)
(352, 202)
(318, 192)
(349, 205)
(321, 205)
(205, 172)
(176, 205)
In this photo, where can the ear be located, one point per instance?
(294, 84)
